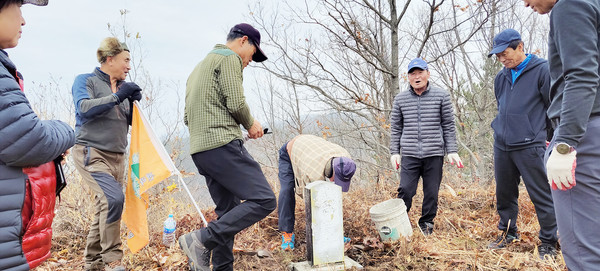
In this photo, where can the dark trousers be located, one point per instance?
(509, 167)
(232, 175)
(577, 208)
(287, 198)
(430, 169)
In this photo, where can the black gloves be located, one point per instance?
(128, 89)
(136, 96)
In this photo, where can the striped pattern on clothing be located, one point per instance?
(215, 105)
(422, 126)
(309, 155)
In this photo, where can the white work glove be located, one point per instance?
(395, 160)
(454, 158)
(560, 169)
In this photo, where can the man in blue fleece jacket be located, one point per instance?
(573, 166)
(522, 91)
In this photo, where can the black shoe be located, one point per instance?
(503, 240)
(426, 228)
(546, 249)
(198, 255)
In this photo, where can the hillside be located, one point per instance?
(465, 224)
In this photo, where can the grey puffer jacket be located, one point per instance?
(25, 141)
(422, 125)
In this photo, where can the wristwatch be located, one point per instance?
(564, 148)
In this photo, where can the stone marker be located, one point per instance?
(324, 223)
(324, 229)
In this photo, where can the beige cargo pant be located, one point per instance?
(104, 174)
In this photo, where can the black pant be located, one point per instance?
(287, 192)
(430, 168)
(509, 167)
(232, 175)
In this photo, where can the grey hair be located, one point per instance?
(110, 46)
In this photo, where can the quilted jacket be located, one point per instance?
(27, 180)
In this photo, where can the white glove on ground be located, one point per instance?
(561, 169)
(454, 158)
(395, 160)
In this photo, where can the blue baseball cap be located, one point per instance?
(343, 168)
(503, 39)
(417, 63)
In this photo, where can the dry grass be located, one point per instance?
(465, 224)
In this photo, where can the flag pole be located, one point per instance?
(192, 199)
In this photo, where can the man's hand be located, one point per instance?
(137, 95)
(561, 169)
(395, 160)
(256, 131)
(454, 158)
(126, 90)
(63, 161)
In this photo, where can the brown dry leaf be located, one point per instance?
(161, 258)
(452, 192)
(262, 253)
(372, 242)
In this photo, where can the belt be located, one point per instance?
(556, 121)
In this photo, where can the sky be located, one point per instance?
(59, 41)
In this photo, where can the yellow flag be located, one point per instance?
(149, 164)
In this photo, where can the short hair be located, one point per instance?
(515, 43)
(236, 33)
(6, 3)
(110, 46)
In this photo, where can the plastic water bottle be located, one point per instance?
(169, 231)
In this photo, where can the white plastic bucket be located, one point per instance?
(391, 219)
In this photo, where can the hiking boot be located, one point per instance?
(426, 228)
(546, 249)
(503, 240)
(287, 241)
(198, 255)
(114, 266)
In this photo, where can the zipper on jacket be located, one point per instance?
(419, 143)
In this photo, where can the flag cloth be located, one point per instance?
(149, 164)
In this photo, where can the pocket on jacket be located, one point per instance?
(518, 129)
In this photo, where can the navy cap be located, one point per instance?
(503, 39)
(344, 169)
(254, 35)
(36, 2)
(417, 63)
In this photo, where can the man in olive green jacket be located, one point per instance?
(214, 109)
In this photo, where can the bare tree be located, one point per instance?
(345, 57)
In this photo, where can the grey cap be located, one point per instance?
(36, 2)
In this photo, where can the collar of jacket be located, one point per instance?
(104, 76)
(412, 90)
(6, 61)
(533, 62)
